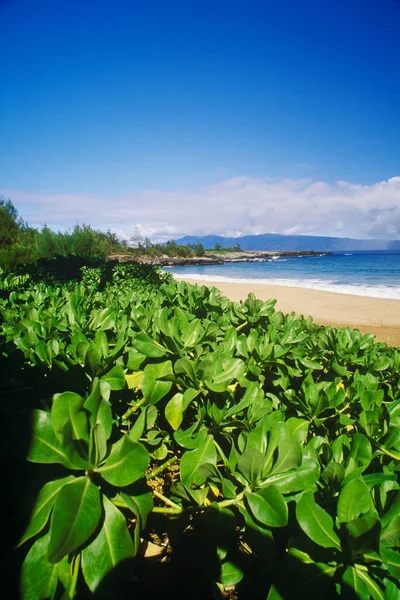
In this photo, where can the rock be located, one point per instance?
(212, 258)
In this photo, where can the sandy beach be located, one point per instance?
(380, 316)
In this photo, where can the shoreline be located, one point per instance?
(380, 316)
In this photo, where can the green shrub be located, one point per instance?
(261, 449)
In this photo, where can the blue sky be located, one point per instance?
(154, 108)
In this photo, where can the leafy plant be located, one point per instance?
(261, 448)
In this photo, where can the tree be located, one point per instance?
(199, 249)
(217, 247)
(11, 224)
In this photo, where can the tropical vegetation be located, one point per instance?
(256, 454)
(21, 244)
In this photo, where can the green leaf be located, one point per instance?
(135, 360)
(365, 524)
(374, 589)
(112, 544)
(274, 594)
(174, 411)
(316, 522)
(99, 408)
(302, 478)
(193, 459)
(45, 448)
(390, 536)
(98, 444)
(298, 576)
(67, 414)
(392, 591)
(153, 389)
(391, 558)
(354, 499)
(92, 361)
(233, 368)
(76, 513)
(268, 506)
(289, 456)
(251, 465)
(298, 428)
(358, 587)
(190, 438)
(360, 453)
(101, 343)
(43, 505)
(141, 505)
(230, 573)
(115, 378)
(147, 346)
(127, 463)
(183, 366)
(38, 576)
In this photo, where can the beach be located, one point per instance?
(380, 316)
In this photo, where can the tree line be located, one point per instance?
(21, 243)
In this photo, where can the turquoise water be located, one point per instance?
(375, 274)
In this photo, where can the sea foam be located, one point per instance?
(376, 291)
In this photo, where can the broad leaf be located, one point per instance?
(391, 558)
(153, 389)
(251, 465)
(174, 411)
(354, 499)
(45, 447)
(39, 577)
(193, 459)
(289, 456)
(316, 522)
(99, 408)
(127, 463)
(302, 478)
(67, 413)
(115, 378)
(43, 505)
(352, 579)
(149, 347)
(112, 544)
(268, 506)
(141, 506)
(76, 513)
(230, 573)
(390, 536)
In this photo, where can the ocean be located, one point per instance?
(375, 274)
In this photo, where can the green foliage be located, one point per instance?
(263, 448)
(20, 244)
(16, 238)
(221, 249)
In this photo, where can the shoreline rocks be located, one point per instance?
(213, 258)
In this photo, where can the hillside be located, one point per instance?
(273, 241)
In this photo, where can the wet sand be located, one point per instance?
(380, 316)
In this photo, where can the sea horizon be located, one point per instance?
(373, 274)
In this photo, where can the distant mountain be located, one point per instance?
(274, 241)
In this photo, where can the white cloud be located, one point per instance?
(239, 205)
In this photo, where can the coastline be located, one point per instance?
(380, 316)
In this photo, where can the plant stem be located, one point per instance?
(168, 501)
(132, 409)
(221, 453)
(239, 327)
(166, 511)
(231, 502)
(161, 468)
(75, 573)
